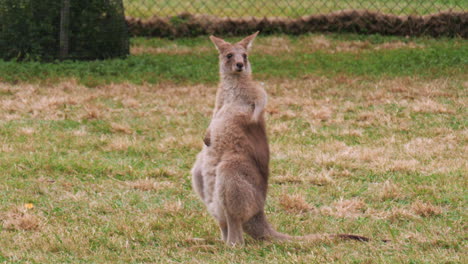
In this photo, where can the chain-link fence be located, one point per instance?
(286, 8)
(173, 18)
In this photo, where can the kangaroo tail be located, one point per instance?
(259, 228)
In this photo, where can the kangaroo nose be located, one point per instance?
(240, 65)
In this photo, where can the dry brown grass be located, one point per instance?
(400, 214)
(130, 102)
(388, 190)
(345, 208)
(150, 185)
(430, 106)
(295, 203)
(121, 128)
(425, 209)
(276, 45)
(172, 207)
(324, 177)
(119, 144)
(285, 179)
(385, 154)
(20, 219)
(320, 107)
(107, 169)
(170, 49)
(398, 45)
(6, 148)
(27, 131)
(280, 45)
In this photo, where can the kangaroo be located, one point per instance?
(230, 173)
(237, 85)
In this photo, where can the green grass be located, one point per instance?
(446, 57)
(367, 135)
(290, 8)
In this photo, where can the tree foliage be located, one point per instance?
(30, 29)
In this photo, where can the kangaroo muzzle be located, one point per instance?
(239, 66)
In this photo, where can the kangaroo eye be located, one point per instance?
(229, 55)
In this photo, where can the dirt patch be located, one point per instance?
(356, 21)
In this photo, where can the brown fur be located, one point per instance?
(231, 172)
(237, 85)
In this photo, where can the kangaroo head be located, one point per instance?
(233, 57)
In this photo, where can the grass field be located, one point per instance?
(284, 8)
(368, 136)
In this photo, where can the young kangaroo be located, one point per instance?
(231, 172)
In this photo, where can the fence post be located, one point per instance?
(64, 29)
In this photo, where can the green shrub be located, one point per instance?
(30, 29)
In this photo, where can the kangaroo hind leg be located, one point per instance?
(240, 199)
(235, 236)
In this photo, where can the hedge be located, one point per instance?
(32, 30)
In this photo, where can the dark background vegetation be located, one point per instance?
(30, 29)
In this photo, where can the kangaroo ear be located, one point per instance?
(248, 41)
(220, 44)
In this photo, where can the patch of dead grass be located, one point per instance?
(352, 46)
(322, 114)
(408, 165)
(387, 155)
(426, 209)
(273, 45)
(280, 128)
(398, 45)
(321, 178)
(6, 148)
(150, 184)
(20, 219)
(172, 207)
(28, 99)
(352, 132)
(281, 45)
(430, 106)
(324, 177)
(119, 144)
(27, 131)
(172, 49)
(81, 132)
(285, 179)
(187, 140)
(428, 148)
(387, 190)
(351, 208)
(401, 214)
(121, 128)
(93, 112)
(130, 102)
(294, 203)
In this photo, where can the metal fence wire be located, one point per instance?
(286, 8)
(177, 18)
